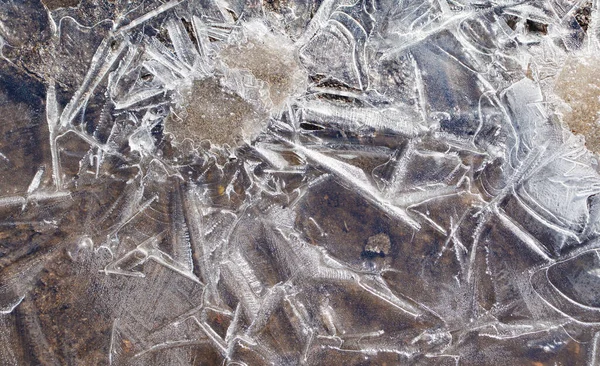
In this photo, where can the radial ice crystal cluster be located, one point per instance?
(299, 182)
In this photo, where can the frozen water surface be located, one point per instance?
(292, 182)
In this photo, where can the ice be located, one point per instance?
(287, 182)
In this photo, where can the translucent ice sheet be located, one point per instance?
(293, 182)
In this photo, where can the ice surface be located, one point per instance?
(335, 182)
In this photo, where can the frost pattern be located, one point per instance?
(293, 182)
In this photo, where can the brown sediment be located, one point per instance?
(55, 4)
(579, 86)
(274, 5)
(211, 112)
(583, 15)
